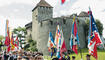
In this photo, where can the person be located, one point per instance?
(68, 57)
(19, 58)
(63, 58)
(87, 57)
(11, 57)
(73, 57)
(55, 58)
(6, 56)
(15, 55)
(0, 56)
(38, 56)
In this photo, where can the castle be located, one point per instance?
(43, 22)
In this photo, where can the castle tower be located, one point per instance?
(41, 12)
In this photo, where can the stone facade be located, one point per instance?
(43, 22)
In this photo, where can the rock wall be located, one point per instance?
(41, 29)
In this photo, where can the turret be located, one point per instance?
(42, 11)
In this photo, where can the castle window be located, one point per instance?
(48, 8)
(78, 21)
(64, 20)
(30, 35)
(41, 24)
(51, 22)
(41, 8)
(36, 15)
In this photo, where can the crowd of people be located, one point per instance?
(21, 55)
(73, 57)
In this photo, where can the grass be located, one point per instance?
(101, 55)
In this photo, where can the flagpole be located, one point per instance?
(104, 46)
(79, 42)
(81, 54)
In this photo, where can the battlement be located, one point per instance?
(60, 20)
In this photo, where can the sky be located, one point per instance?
(19, 12)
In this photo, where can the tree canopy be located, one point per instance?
(1, 37)
(98, 24)
(20, 32)
(31, 46)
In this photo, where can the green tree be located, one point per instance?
(20, 32)
(1, 37)
(98, 24)
(31, 46)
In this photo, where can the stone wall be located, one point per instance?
(34, 24)
(29, 33)
(44, 13)
(41, 29)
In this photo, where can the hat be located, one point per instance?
(73, 57)
(87, 55)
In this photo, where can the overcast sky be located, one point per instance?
(19, 12)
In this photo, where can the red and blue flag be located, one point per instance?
(93, 38)
(74, 41)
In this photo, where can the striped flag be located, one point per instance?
(94, 38)
(7, 37)
(74, 41)
(63, 45)
(58, 41)
(51, 44)
(58, 37)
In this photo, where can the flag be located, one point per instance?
(62, 1)
(57, 37)
(94, 38)
(63, 45)
(8, 48)
(51, 44)
(17, 42)
(7, 37)
(50, 41)
(12, 42)
(74, 41)
(58, 53)
(53, 50)
(58, 41)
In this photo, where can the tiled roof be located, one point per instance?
(83, 14)
(42, 3)
(29, 25)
